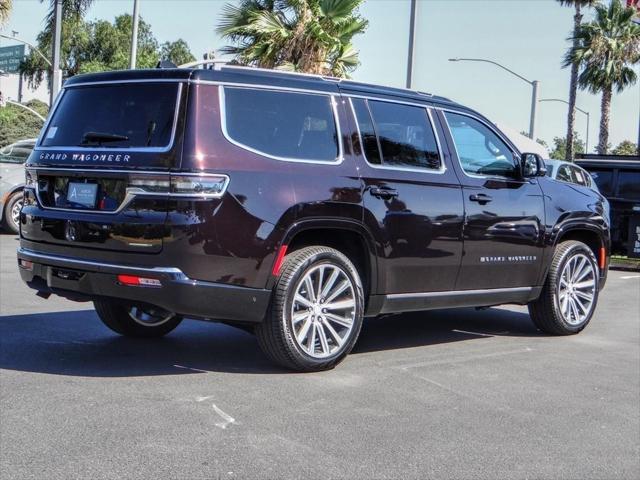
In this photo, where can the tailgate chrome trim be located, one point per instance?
(94, 266)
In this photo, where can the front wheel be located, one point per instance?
(570, 294)
(140, 321)
(316, 311)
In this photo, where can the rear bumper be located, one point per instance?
(84, 280)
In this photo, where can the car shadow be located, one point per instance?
(77, 344)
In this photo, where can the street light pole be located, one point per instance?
(134, 36)
(31, 46)
(56, 81)
(535, 84)
(412, 40)
(579, 110)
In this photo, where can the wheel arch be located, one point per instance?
(594, 236)
(349, 237)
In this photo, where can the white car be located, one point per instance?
(570, 173)
(12, 158)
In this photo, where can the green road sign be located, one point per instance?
(10, 58)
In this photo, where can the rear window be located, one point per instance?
(629, 184)
(128, 115)
(286, 125)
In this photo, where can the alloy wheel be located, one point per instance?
(149, 316)
(323, 310)
(15, 213)
(577, 289)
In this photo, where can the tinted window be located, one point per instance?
(481, 152)
(118, 116)
(405, 135)
(604, 180)
(629, 184)
(282, 124)
(367, 132)
(564, 174)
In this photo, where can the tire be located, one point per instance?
(570, 293)
(12, 212)
(305, 333)
(150, 323)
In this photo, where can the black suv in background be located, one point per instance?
(618, 178)
(296, 205)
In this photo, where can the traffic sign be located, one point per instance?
(10, 58)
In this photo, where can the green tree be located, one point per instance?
(97, 46)
(606, 50)
(18, 124)
(178, 52)
(626, 147)
(312, 36)
(5, 11)
(578, 6)
(559, 151)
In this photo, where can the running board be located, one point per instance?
(411, 302)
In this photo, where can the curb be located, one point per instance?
(624, 266)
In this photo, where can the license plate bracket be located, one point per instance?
(83, 194)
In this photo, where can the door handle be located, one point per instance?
(481, 198)
(383, 192)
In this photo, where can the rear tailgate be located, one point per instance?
(92, 179)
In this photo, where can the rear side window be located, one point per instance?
(404, 135)
(285, 125)
(629, 184)
(127, 115)
(604, 180)
(367, 132)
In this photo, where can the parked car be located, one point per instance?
(570, 173)
(12, 158)
(618, 178)
(294, 206)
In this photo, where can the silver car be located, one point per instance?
(12, 158)
(570, 173)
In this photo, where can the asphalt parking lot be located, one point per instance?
(450, 394)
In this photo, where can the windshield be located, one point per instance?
(127, 115)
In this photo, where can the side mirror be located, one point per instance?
(533, 165)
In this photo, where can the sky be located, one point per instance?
(527, 36)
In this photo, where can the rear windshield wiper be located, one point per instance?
(102, 137)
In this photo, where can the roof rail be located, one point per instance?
(216, 62)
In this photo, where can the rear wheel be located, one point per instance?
(141, 321)
(316, 311)
(12, 212)
(570, 294)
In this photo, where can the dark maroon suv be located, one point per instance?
(294, 206)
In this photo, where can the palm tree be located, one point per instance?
(312, 36)
(5, 10)
(578, 5)
(606, 49)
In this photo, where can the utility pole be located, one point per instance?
(534, 85)
(56, 81)
(412, 40)
(134, 36)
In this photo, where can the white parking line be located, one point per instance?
(473, 333)
(627, 277)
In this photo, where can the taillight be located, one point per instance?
(30, 179)
(200, 185)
